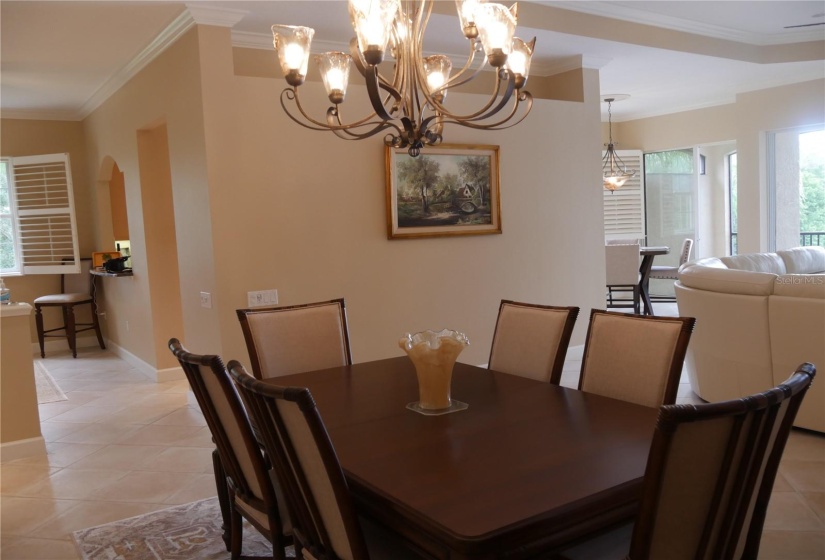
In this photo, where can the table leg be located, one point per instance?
(644, 281)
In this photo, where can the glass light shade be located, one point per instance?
(437, 68)
(334, 67)
(518, 62)
(496, 26)
(372, 21)
(292, 43)
(614, 171)
(466, 16)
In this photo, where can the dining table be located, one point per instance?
(527, 468)
(647, 254)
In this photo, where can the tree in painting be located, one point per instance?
(419, 174)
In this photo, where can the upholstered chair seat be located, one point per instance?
(622, 268)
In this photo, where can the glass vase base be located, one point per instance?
(455, 406)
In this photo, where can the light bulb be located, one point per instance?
(294, 56)
(517, 62)
(335, 79)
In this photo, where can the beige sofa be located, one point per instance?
(758, 316)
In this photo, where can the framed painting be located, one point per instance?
(447, 190)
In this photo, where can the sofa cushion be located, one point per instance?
(803, 260)
(800, 285)
(707, 274)
(756, 262)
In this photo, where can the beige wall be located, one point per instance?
(166, 91)
(20, 137)
(304, 212)
(746, 121)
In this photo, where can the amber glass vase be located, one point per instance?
(434, 353)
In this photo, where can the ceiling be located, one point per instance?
(62, 59)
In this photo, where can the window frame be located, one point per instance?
(40, 230)
(12, 216)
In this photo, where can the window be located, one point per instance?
(624, 216)
(732, 202)
(38, 232)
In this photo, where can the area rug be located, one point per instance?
(184, 532)
(47, 389)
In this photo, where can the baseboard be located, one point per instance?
(22, 448)
(157, 375)
(60, 344)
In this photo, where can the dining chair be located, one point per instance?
(671, 272)
(531, 340)
(634, 358)
(296, 338)
(708, 481)
(326, 525)
(622, 267)
(245, 484)
(75, 290)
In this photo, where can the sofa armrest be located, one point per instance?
(725, 280)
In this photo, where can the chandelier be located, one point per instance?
(614, 169)
(409, 105)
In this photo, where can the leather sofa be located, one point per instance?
(758, 317)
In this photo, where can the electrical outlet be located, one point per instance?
(262, 298)
(206, 300)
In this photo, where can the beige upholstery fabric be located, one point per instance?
(730, 281)
(297, 340)
(671, 272)
(756, 262)
(622, 264)
(230, 426)
(316, 476)
(629, 358)
(810, 286)
(63, 298)
(527, 340)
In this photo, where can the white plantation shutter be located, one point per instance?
(624, 208)
(45, 213)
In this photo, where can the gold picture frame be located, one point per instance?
(448, 190)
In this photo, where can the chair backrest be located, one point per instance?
(80, 283)
(531, 340)
(622, 264)
(293, 434)
(687, 247)
(710, 473)
(296, 338)
(237, 446)
(635, 358)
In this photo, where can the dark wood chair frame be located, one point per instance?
(247, 331)
(70, 327)
(677, 361)
(564, 341)
(309, 531)
(761, 455)
(229, 476)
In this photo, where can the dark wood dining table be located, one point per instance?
(528, 467)
(648, 253)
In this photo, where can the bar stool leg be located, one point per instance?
(70, 332)
(96, 324)
(38, 318)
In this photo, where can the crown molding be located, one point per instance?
(219, 17)
(164, 40)
(623, 13)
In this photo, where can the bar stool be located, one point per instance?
(75, 289)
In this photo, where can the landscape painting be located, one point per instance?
(446, 190)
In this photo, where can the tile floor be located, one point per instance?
(123, 445)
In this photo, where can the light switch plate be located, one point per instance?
(206, 300)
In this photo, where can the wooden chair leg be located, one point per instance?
(223, 498)
(236, 530)
(70, 329)
(38, 319)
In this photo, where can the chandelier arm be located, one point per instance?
(334, 121)
(485, 111)
(373, 89)
(524, 98)
(291, 94)
(455, 80)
